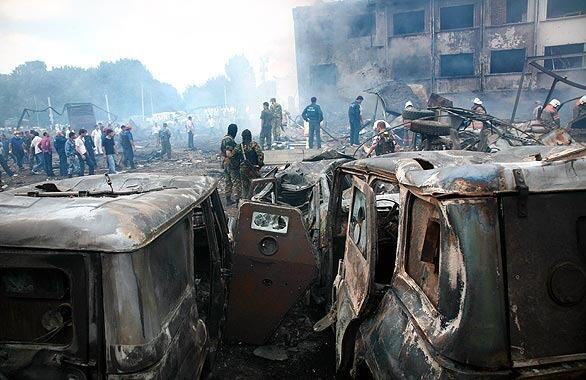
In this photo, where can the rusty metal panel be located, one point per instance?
(274, 263)
(546, 272)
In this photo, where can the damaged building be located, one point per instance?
(448, 46)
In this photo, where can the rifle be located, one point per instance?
(246, 162)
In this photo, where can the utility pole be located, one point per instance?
(50, 112)
(142, 100)
(36, 109)
(108, 108)
(152, 108)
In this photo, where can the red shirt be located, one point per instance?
(45, 144)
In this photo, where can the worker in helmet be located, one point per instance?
(478, 107)
(549, 116)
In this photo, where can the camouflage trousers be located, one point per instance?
(247, 174)
(233, 185)
(277, 129)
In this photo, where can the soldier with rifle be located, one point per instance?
(252, 160)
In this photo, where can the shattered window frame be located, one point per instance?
(444, 65)
(554, 8)
(447, 17)
(356, 219)
(405, 18)
(269, 228)
(421, 264)
(362, 25)
(564, 63)
(500, 64)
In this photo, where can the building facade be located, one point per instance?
(448, 46)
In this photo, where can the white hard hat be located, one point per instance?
(477, 101)
(583, 100)
(408, 104)
(554, 102)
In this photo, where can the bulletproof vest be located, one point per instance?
(385, 145)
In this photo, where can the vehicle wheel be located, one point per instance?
(430, 127)
(415, 114)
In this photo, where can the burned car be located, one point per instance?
(460, 264)
(101, 278)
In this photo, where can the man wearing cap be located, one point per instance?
(355, 119)
(550, 116)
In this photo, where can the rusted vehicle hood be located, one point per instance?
(99, 223)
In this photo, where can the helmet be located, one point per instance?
(556, 103)
(477, 101)
(408, 104)
(583, 100)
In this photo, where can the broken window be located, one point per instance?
(423, 253)
(362, 25)
(323, 75)
(565, 8)
(458, 17)
(358, 227)
(516, 11)
(507, 61)
(408, 23)
(457, 65)
(564, 63)
(387, 219)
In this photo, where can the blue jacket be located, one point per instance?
(313, 114)
(59, 144)
(354, 113)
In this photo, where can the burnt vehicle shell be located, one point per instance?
(487, 276)
(97, 279)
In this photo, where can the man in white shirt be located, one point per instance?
(81, 151)
(97, 137)
(189, 130)
(37, 152)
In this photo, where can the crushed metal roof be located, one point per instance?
(150, 204)
(465, 173)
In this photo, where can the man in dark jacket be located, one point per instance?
(90, 158)
(314, 116)
(355, 119)
(59, 144)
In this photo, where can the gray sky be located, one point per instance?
(181, 42)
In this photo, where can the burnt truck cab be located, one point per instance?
(460, 264)
(100, 278)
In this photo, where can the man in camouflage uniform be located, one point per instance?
(231, 165)
(252, 159)
(277, 121)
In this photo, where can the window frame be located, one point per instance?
(423, 31)
(548, 17)
(442, 29)
(441, 74)
(507, 50)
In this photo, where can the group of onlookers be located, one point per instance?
(75, 151)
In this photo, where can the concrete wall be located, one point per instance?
(367, 61)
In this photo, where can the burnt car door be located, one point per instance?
(358, 268)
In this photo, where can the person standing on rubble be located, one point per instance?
(579, 111)
(90, 155)
(165, 139)
(252, 159)
(71, 152)
(127, 144)
(189, 127)
(36, 153)
(549, 116)
(277, 122)
(16, 149)
(47, 149)
(478, 107)
(383, 142)
(110, 150)
(355, 119)
(266, 124)
(231, 165)
(313, 115)
(97, 138)
(59, 144)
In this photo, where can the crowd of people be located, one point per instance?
(76, 151)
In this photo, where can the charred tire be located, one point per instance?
(430, 127)
(415, 114)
